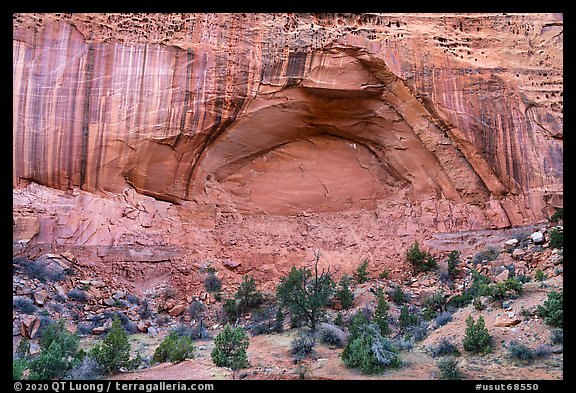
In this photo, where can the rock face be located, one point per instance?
(276, 113)
(152, 129)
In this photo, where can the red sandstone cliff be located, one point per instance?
(457, 115)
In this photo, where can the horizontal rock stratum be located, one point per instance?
(280, 114)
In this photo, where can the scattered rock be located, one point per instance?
(511, 242)
(30, 326)
(40, 297)
(119, 295)
(502, 276)
(176, 310)
(142, 327)
(231, 264)
(518, 252)
(60, 291)
(98, 330)
(34, 348)
(98, 283)
(152, 331)
(109, 301)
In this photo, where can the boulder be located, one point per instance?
(109, 301)
(506, 320)
(98, 330)
(142, 327)
(152, 331)
(40, 297)
(30, 326)
(502, 276)
(119, 294)
(511, 242)
(177, 310)
(518, 253)
(231, 264)
(98, 283)
(537, 237)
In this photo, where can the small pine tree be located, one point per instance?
(381, 314)
(398, 296)
(278, 320)
(230, 348)
(477, 338)
(420, 260)
(114, 352)
(556, 239)
(407, 318)
(361, 274)
(247, 296)
(344, 294)
(453, 261)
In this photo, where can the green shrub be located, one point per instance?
(338, 320)
(444, 347)
(306, 294)
(212, 283)
(57, 332)
(453, 261)
(278, 320)
(78, 295)
(449, 369)
(367, 350)
(330, 334)
(433, 305)
(408, 317)
(230, 308)
(18, 367)
(361, 274)
(478, 305)
(442, 319)
(230, 348)
(540, 275)
(381, 314)
(24, 306)
(486, 255)
(420, 260)
(174, 349)
(23, 349)
(479, 287)
(500, 291)
(344, 294)
(398, 296)
(85, 369)
(302, 346)
(556, 239)
(557, 336)
(384, 274)
(144, 310)
(477, 338)
(552, 310)
(51, 363)
(247, 296)
(558, 215)
(114, 352)
(520, 353)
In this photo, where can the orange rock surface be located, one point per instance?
(432, 122)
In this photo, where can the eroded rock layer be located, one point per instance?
(282, 113)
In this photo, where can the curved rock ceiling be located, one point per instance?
(280, 114)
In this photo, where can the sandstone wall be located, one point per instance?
(285, 113)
